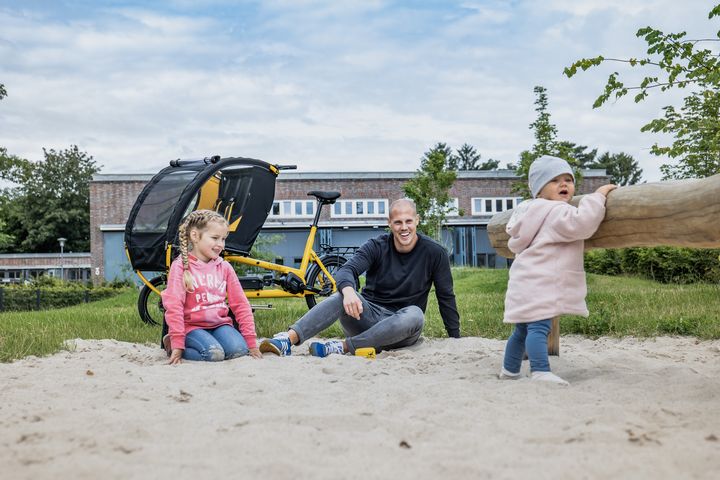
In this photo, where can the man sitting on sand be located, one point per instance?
(400, 268)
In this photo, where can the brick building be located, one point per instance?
(19, 267)
(360, 213)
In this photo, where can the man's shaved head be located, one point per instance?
(402, 203)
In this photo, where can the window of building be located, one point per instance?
(452, 209)
(366, 208)
(292, 209)
(10, 276)
(492, 205)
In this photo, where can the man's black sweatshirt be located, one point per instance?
(395, 280)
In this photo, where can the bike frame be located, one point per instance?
(309, 255)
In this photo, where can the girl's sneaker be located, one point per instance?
(548, 377)
(279, 345)
(319, 349)
(166, 344)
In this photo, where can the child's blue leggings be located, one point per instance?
(530, 337)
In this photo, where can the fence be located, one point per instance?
(23, 299)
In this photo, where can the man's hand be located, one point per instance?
(352, 303)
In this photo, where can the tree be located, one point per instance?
(579, 153)
(545, 144)
(11, 166)
(675, 62)
(622, 168)
(430, 188)
(697, 136)
(545, 131)
(51, 200)
(442, 147)
(490, 164)
(467, 158)
(6, 240)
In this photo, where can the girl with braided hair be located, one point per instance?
(196, 311)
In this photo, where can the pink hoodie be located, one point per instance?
(205, 307)
(547, 278)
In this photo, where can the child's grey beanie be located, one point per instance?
(544, 169)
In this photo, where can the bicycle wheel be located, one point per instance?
(150, 304)
(317, 279)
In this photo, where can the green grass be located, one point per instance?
(618, 306)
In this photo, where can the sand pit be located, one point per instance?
(635, 409)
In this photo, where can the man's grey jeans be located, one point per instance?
(377, 327)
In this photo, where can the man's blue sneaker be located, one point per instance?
(320, 349)
(279, 345)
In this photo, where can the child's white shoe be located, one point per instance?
(166, 344)
(548, 377)
(507, 375)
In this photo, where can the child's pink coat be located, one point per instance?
(547, 278)
(205, 307)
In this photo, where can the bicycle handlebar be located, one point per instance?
(214, 159)
(185, 163)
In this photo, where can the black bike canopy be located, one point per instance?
(241, 189)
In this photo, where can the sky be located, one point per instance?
(343, 85)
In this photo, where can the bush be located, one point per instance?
(662, 264)
(28, 297)
(604, 262)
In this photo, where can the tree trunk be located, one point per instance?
(680, 213)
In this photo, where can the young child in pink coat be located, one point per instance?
(547, 278)
(196, 310)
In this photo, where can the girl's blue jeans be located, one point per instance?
(530, 337)
(214, 345)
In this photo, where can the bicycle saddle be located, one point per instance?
(328, 197)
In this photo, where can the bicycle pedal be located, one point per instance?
(256, 306)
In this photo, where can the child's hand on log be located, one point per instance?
(605, 189)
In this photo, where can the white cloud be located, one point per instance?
(324, 85)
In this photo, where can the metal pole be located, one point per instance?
(62, 241)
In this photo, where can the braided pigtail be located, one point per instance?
(183, 237)
(197, 220)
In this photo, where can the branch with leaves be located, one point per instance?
(677, 62)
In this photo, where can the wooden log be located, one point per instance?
(680, 213)
(554, 337)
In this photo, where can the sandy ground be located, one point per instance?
(635, 409)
